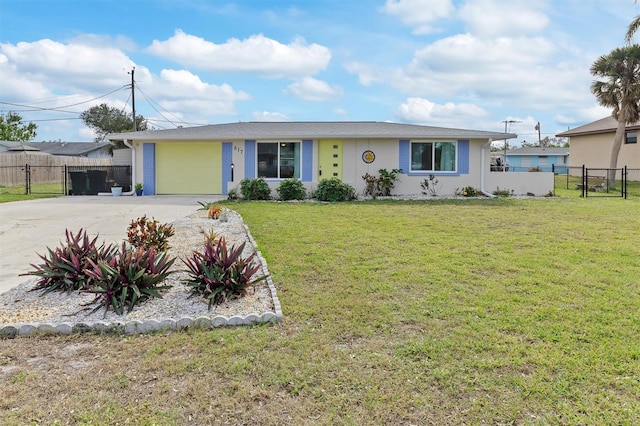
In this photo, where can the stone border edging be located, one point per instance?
(9, 331)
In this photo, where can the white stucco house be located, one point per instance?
(213, 159)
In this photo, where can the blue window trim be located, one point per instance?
(250, 159)
(307, 161)
(149, 168)
(462, 164)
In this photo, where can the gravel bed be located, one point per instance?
(25, 312)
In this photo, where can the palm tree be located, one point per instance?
(620, 90)
(634, 26)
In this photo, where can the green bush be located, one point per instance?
(467, 191)
(291, 189)
(387, 180)
(333, 189)
(131, 276)
(220, 273)
(255, 189)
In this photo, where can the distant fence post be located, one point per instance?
(27, 175)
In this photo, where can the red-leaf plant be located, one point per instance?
(65, 268)
(220, 273)
(131, 276)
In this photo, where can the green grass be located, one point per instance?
(17, 193)
(500, 311)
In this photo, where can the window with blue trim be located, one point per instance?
(434, 156)
(278, 160)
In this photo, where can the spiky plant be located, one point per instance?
(65, 268)
(220, 273)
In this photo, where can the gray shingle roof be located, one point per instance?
(58, 148)
(538, 151)
(308, 130)
(604, 125)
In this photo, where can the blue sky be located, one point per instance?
(467, 64)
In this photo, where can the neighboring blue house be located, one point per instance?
(524, 159)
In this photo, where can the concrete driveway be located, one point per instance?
(29, 227)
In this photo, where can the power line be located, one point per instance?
(151, 102)
(63, 106)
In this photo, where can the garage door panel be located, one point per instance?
(189, 168)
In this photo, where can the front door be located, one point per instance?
(329, 158)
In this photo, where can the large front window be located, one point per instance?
(279, 160)
(433, 157)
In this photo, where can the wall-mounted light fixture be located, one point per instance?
(232, 172)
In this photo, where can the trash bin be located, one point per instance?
(97, 181)
(79, 183)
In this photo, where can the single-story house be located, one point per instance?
(540, 158)
(72, 149)
(213, 159)
(591, 144)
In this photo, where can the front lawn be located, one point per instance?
(505, 311)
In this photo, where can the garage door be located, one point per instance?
(189, 168)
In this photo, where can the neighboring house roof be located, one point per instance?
(537, 151)
(12, 147)
(310, 130)
(59, 148)
(604, 125)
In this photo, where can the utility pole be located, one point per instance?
(538, 129)
(133, 98)
(506, 141)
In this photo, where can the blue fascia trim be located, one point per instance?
(149, 168)
(463, 157)
(227, 159)
(307, 161)
(250, 159)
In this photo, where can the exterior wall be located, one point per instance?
(522, 183)
(388, 155)
(595, 151)
(121, 157)
(518, 163)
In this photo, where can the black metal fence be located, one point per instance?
(594, 182)
(90, 180)
(69, 180)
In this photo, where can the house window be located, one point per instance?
(433, 156)
(631, 137)
(279, 160)
(525, 162)
(543, 160)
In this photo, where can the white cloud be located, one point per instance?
(423, 111)
(495, 70)
(419, 14)
(184, 94)
(257, 54)
(503, 18)
(367, 74)
(59, 65)
(311, 89)
(269, 116)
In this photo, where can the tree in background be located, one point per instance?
(547, 142)
(618, 87)
(103, 120)
(12, 128)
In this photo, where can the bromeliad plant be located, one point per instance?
(220, 273)
(131, 276)
(65, 268)
(149, 233)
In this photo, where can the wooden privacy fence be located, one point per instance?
(41, 168)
